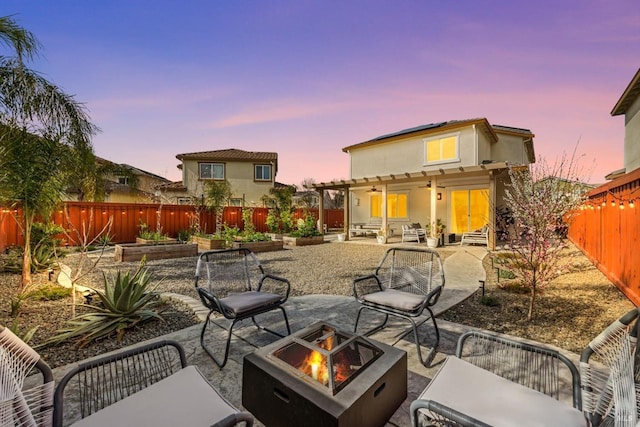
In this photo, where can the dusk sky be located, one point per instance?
(307, 78)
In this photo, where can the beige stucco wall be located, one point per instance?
(240, 176)
(632, 137)
(408, 155)
(509, 148)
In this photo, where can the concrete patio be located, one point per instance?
(463, 270)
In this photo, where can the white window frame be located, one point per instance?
(123, 180)
(443, 161)
(213, 164)
(262, 165)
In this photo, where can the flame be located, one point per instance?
(315, 365)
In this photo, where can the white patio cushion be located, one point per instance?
(495, 400)
(240, 303)
(395, 299)
(183, 399)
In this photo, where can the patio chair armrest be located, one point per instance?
(370, 280)
(283, 285)
(443, 413)
(209, 300)
(433, 296)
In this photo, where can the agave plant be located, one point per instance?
(125, 302)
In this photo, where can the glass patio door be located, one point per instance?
(469, 210)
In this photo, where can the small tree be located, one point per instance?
(217, 195)
(541, 201)
(281, 216)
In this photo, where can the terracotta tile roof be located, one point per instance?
(231, 154)
(173, 186)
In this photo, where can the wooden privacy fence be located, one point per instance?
(91, 218)
(607, 230)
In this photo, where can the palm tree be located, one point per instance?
(41, 126)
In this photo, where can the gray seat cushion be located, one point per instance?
(395, 299)
(494, 400)
(183, 399)
(244, 302)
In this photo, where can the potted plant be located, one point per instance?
(381, 236)
(435, 231)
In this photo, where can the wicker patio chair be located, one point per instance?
(232, 282)
(610, 371)
(406, 282)
(20, 406)
(535, 367)
(148, 385)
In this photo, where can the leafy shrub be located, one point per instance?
(489, 301)
(505, 274)
(147, 234)
(125, 302)
(105, 239)
(306, 227)
(50, 293)
(184, 236)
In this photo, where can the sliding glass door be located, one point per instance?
(469, 210)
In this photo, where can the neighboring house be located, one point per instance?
(629, 105)
(306, 199)
(132, 185)
(454, 171)
(250, 174)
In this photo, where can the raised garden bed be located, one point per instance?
(303, 241)
(207, 244)
(134, 252)
(167, 241)
(266, 246)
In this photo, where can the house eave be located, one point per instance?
(629, 95)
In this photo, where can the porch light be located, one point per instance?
(373, 190)
(439, 197)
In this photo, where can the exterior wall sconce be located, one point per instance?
(439, 196)
(357, 201)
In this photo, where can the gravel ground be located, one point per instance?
(320, 269)
(573, 309)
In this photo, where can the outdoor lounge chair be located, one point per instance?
(148, 385)
(610, 386)
(496, 380)
(413, 232)
(19, 406)
(406, 282)
(476, 237)
(232, 282)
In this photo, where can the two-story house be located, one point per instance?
(629, 105)
(454, 171)
(251, 175)
(123, 183)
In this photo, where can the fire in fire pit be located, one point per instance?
(327, 356)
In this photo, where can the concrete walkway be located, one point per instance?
(463, 271)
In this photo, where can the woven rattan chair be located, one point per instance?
(535, 367)
(232, 282)
(406, 282)
(610, 371)
(20, 405)
(148, 385)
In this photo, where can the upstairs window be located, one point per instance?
(441, 150)
(211, 170)
(124, 180)
(262, 172)
(396, 205)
